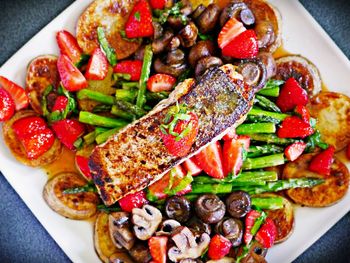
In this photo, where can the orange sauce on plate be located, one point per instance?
(65, 163)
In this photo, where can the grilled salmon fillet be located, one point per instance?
(136, 157)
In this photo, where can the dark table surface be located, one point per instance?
(23, 239)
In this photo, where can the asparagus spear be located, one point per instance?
(130, 108)
(271, 138)
(129, 85)
(247, 128)
(252, 176)
(145, 72)
(107, 49)
(126, 94)
(270, 203)
(259, 112)
(96, 96)
(260, 150)
(101, 138)
(122, 114)
(89, 138)
(271, 92)
(261, 118)
(266, 103)
(264, 161)
(97, 120)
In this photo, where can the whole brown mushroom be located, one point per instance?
(188, 35)
(202, 49)
(209, 208)
(207, 20)
(238, 204)
(205, 63)
(232, 229)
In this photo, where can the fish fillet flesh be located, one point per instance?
(136, 157)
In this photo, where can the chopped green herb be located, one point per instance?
(137, 16)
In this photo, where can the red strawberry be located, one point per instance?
(219, 247)
(72, 78)
(348, 151)
(233, 154)
(7, 105)
(161, 82)
(34, 135)
(97, 68)
(158, 248)
(293, 151)
(231, 134)
(18, 94)
(69, 46)
(135, 200)
(60, 103)
(303, 112)
(210, 160)
(250, 219)
(244, 46)
(291, 95)
(157, 4)
(139, 23)
(267, 233)
(294, 127)
(231, 29)
(131, 67)
(177, 145)
(190, 166)
(321, 163)
(68, 131)
(82, 164)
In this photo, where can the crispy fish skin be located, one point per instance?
(136, 157)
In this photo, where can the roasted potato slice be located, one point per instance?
(120, 257)
(74, 206)
(332, 111)
(104, 245)
(304, 71)
(41, 72)
(112, 16)
(328, 193)
(283, 218)
(17, 149)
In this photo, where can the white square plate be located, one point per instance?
(301, 35)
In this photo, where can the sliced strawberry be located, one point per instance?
(219, 247)
(131, 201)
(18, 94)
(231, 134)
(321, 163)
(72, 79)
(158, 248)
(291, 95)
(190, 166)
(82, 164)
(97, 68)
(7, 105)
(34, 135)
(267, 233)
(348, 151)
(131, 67)
(157, 190)
(161, 82)
(210, 160)
(231, 29)
(303, 112)
(243, 46)
(294, 127)
(250, 219)
(139, 23)
(157, 4)
(68, 131)
(233, 154)
(60, 103)
(293, 151)
(180, 145)
(69, 46)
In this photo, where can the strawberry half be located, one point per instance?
(131, 201)
(60, 103)
(293, 151)
(243, 46)
(219, 247)
(267, 233)
(82, 164)
(291, 95)
(158, 248)
(321, 163)
(139, 23)
(72, 79)
(250, 219)
(210, 160)
(231, 134)
(294, 127)
(157, 4)
(190, 166)
(231, 29)
(97, 68)
(160, 82)
(233, 154)
(7, 105)
(68, 131)
(68, 46)
(131, 67)
(17, 93)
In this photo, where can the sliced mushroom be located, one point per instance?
(174, 43)
(205, 63)
(232, 229)
(161, 43)
(198, 11)
(264, 33)
(158, 29)
(120, 231)
(175, 57)
(202, 49)
(207, 20)
(270, 64)
(254, 73)
(188, 35)
(238, 10)
(140, 253)
(174, 70)
(178, 208)
(146, 221)
(210, 208)
(167, 227)
(186, 245)
(198, 226)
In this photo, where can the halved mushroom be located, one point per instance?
(207, 19)
(210, 208)
(238, 10)
(174, 70)
(146, 221)
(188, 35)
(74, 206)
(232, 229)
(120, 230)
(238, 204)
(140, 253)
(174, 43)
(202, 49)
(175, 57)
(186, 245)
(205, 63)
(159, 44)
(254, 73)
(167, 227)
(270, 64)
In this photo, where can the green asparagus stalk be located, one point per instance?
(260, 150)
(266, 103)
(264, 161)
(261, 118)
(259, 112)
(101, 138)
(89, 138)
(271, 138)
(157, 96)
(271, 92)
(107, 49)
(102, 108)
(270, 203)
(124, 76)
(89, 187)
(129, 85)
(247, 128)
(97, 120)
(122, 114)
(130, 108)
(96, 96)
(145, 72)
(211, 188)
(108, 209)
(126, 94)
